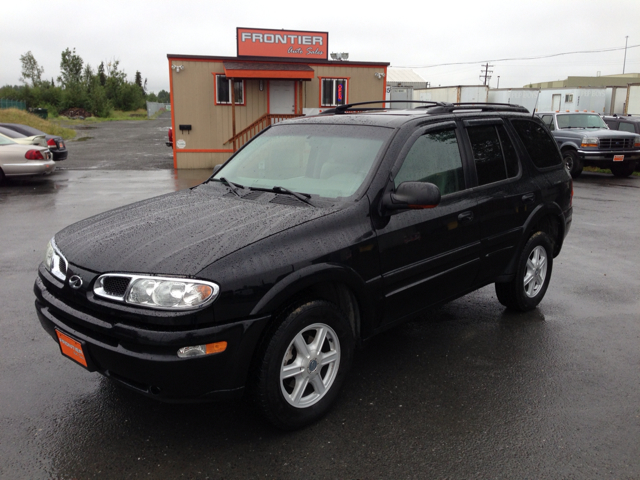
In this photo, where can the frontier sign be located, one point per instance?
(255, 42)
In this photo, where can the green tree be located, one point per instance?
(70, 68)
(101, 75)
(152, 97)
(30, 69)
(164, 97)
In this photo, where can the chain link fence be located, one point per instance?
(155, 107)
(6, 103)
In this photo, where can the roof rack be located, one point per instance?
(433, 107)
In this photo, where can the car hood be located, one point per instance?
(601, 132)
(179, 233)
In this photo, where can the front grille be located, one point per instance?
(616, 143)
(115, 286)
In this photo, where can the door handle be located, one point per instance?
(465, 217)
(529, 198)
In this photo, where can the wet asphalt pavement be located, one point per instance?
(470, 391)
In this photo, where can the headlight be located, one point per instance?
(590, 142)
(163, 293)
(55, 262)
(636, 143)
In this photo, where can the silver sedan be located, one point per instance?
(19, 160)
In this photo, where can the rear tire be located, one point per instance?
(528, 287)
(623, 169)
(303, 364)
(2, 177)
(572, 163)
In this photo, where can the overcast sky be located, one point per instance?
(411, 33)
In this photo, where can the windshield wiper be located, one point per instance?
(233, 186)
(303, 197)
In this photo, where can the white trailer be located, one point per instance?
(458, 94)
(633, 99)
(615, 100)
(525, 97)
(572, 99)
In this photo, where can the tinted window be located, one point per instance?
(434, 158)
(627, 127)
(539, 144)
(493, 152)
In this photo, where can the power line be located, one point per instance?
(519, 58)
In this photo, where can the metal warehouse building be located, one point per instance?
(219, 103)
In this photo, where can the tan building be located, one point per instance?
(276, 75)
(621, 80)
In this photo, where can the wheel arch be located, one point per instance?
(337, 284)
(547, 218)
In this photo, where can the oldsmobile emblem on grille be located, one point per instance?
(75, 282)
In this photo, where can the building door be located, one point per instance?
(403, 93)
(282, 96)
(555, 102)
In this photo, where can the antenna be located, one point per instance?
(536, 105)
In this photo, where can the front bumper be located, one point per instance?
(146, 359)
(629, 155)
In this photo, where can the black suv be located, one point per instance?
(624, 123)
(585, 140)
(318, 234)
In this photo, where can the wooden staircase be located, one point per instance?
(256, 127)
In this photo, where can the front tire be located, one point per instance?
(623, 169)
(303, 364)
(572, 163)
(527, 289)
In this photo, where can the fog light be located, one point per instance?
(200, 350)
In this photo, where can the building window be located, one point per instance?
(333, 92)
(568, 98)
(223, 86)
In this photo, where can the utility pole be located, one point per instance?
(486, 73)
(626, 39)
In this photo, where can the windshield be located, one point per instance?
(580, 121)
(330, 161)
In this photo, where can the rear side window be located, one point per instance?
(434, 158)
(540, 145)
(627, 127)
(493, 153)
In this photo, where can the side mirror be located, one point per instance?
(216, 168)
(412, 196)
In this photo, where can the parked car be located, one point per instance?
(18, 160)
(54, 142)
(585, 140)
(170, 134)
(318, 234)
(624, 123)
(23, 139)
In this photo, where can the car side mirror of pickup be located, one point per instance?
(412, 196)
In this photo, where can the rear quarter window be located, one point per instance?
(540, 145)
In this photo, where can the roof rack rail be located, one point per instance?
(481, 106)
(344, 108)
(433, 107)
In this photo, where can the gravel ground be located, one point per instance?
(109, 146)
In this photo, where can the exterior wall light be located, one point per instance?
(177, 68)
(340, 56)
(379, 75)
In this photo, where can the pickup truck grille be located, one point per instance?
(616, 143)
